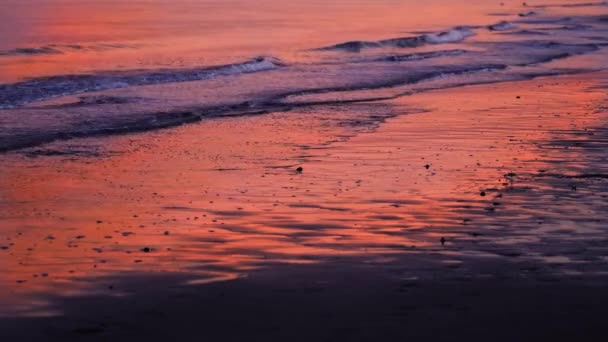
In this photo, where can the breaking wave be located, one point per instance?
(528, 45)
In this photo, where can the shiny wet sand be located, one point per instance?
(511, 175)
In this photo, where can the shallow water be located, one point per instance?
(61, 82)
(216, 200)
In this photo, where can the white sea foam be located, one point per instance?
(452, 36)
(502, 26)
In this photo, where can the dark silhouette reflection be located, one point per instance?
(345, 300)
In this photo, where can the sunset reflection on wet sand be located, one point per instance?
(303, 171)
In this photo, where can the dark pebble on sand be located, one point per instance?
(146, 249)
(427, 166)
(442, 241)
(482, 194)
(166, 233)
(300, 169)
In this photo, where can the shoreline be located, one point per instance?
(276, 104)
(37, 111)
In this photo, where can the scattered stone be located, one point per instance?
(146, 249)
(300, 169)
(443, 240)
(482, 194)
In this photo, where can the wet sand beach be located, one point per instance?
(352, 170)
(475, 212)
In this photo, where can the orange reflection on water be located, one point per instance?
(114, 34)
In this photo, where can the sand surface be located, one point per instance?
(208, 231)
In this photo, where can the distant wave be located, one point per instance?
(60, 49)
(422, 55)
(451, 36)
(502, 26)
(12, 95)
(45, 50)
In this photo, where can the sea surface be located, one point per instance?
(83, 68)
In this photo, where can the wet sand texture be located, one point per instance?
(443, 216)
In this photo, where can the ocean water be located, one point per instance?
(77, 68)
